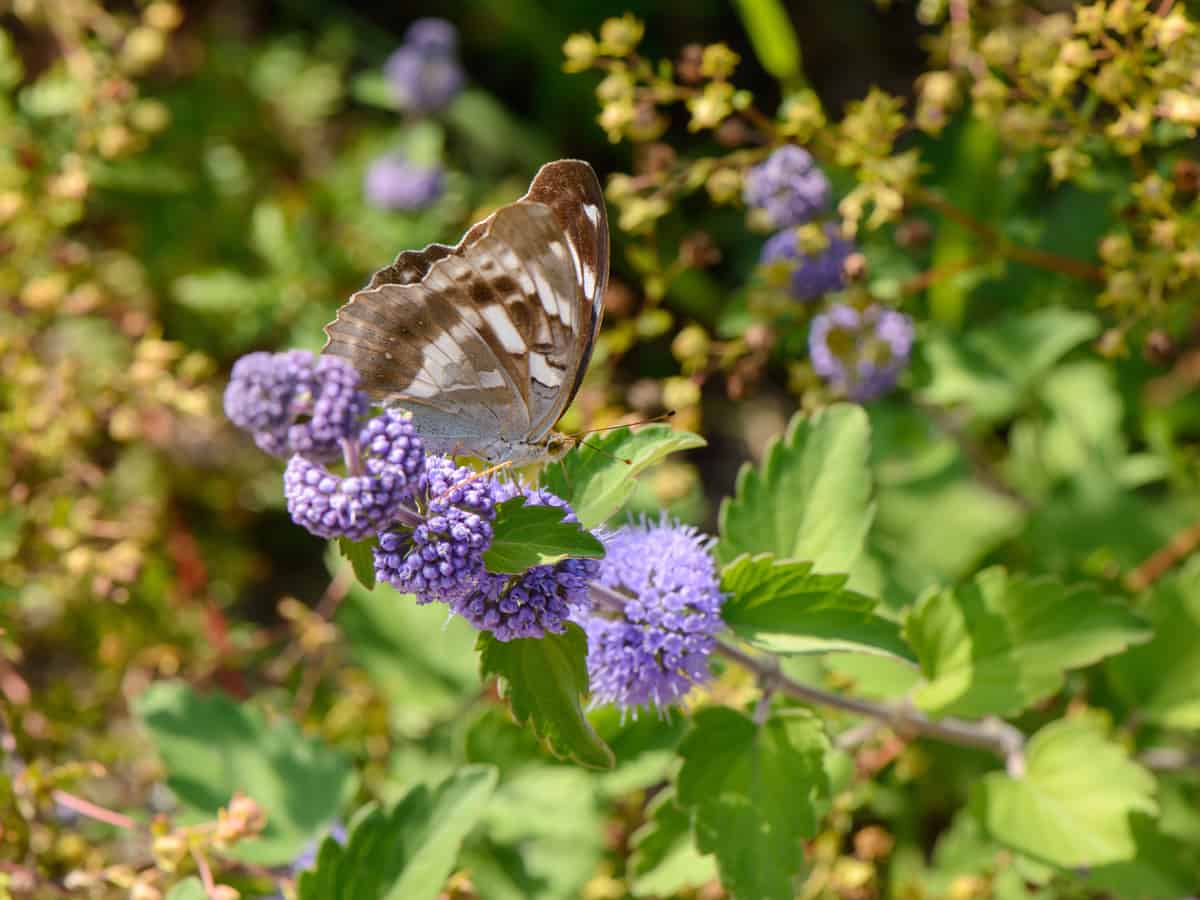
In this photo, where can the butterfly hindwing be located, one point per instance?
(486, 342)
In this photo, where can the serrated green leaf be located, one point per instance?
(753, 791)
(543, 681)
(188, 889)
(783, 607)
(524, 536)
(1161, 679)
(665, 860)
(213, 747)
(594, 478)
(1001, 643)
(810, 499)
(406, 854)
(361, 559)
(1073, 805)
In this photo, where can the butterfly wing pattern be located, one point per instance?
(486, 342)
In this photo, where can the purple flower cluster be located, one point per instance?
(295, 403)
(392, 182)
(789, 187)
(387, 464)
(441, 559)
(809, 276)
(860, 352)
(424, 71)
(656, 648)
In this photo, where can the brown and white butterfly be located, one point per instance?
(486, 342)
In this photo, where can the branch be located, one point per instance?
(1181, 545)
(1002, 246)
(991, 734)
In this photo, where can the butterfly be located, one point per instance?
(487, 342)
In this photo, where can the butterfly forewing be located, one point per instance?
(486, 342)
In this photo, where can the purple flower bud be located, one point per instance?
(658, 647)
(442, 558)
(789, 186)
(295, 403)
(424, 72)
(358, 505)
(433, 35)
(860, 352)
(392, 182)
(809, 276)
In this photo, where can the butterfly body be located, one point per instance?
(486, 342)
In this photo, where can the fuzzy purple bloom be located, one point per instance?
(362, 504)
(392, 182)
(424, 71)
(789, 186)
(657, 648)
(860, 352)
(295, 403)
(808, 276)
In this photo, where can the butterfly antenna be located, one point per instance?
(580, 442)
(660, 418)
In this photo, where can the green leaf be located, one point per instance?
(1161, 679)
(420, 661)
(361, 559)
(374, 89)
(810, 499)
(1074, 803)
(772, 36)
(753, 791)
(935, 519)
(542, 680)
(784, 608)
(594, 478)
(665, 860)
(213, 747)
(524, 536)
(999, 644)
(990, 369)
(406, 854)
(551, 813)
(1162, 867)
(188, 889)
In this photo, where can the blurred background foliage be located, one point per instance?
(183, 183)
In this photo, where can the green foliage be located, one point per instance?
(1002, 643)
(665, 859)
(784, 608)
(1161, 678)
(408, 852)
(178, 187)
(1076, 801)
(543, 681)
(597, 478)
(526, 536)
(188, 889)
(810, 499)
(361, 559)
(213, 747)
(773, 37)
(754, 792)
